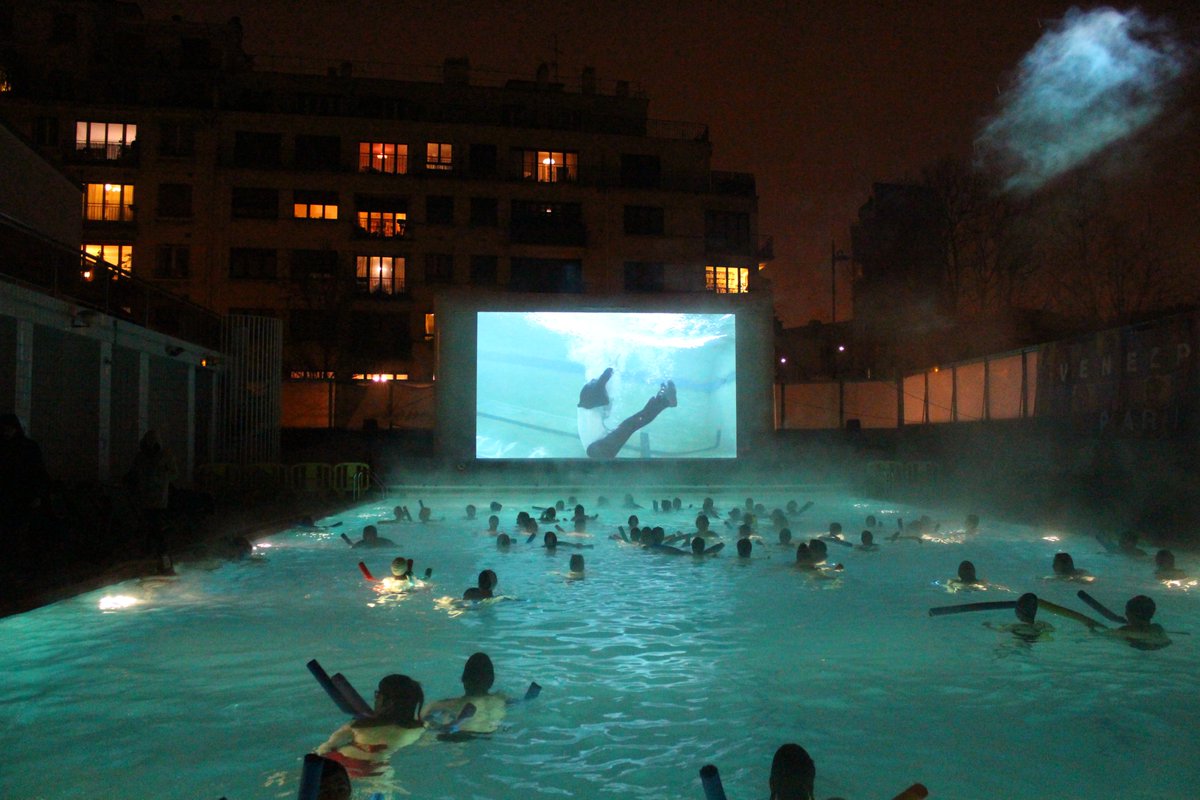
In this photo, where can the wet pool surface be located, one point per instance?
(652, 665)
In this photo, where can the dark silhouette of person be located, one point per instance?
(594, 408)
(23, 484)
(149, 484)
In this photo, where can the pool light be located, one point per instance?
(116, 602)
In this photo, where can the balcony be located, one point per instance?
(115, 154)
(563, 234)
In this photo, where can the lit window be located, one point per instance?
(430, 325)
(390, 159)
(104, 140)
(439, 155)
(727, 280)
(383, 224)
(315, 205)
(117, 256)
(380, 274)
(550, 166)
(108, 202)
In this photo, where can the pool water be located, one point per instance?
(652, 666)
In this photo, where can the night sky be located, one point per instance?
(819, 100)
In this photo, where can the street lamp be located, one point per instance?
(835, 256)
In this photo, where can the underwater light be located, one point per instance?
(1051, 538)
(115, 602)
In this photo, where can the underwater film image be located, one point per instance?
(602, 385)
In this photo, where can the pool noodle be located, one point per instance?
(362, 567)
(1054, 608)
(915, 792)
(533, 691)
(347, 540)
(351, 695)
(326, 682)
(310, 777)
(991, 605)
(1096, 604)
(710, 780)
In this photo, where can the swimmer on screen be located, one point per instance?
(593, 411)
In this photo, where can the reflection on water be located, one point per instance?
(651, 666)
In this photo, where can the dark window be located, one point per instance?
(485, 212)
(439, 209)
(253, 203)
(175, 200)
(252, 262)
(483, 270)
(726, 230)
(318, 152)
(62, 28)
(378, 336)
(172, 261)
(307, 325)
(640, 171)
(483, 159)
(535, 222)
(195, 53)
(439, 268)
(546, 275)
(176, 139)
(45, 130)
(644, 220)
(313, 264)
(254, 149)
(643, 276)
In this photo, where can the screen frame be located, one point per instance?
(456, 365)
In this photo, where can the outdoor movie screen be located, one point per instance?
(602, 385)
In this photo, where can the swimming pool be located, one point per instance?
(652, 666)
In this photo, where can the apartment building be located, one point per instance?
(343, 199)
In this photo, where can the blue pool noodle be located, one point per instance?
(940, 611)
(351, 696)
(326, 682)
(710, 779)
(310, 777)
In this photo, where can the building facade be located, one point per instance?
(343, 201)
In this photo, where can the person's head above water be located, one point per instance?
(966, 572)
(792, 774)
(701, 522)
(1140, 610)
(493, 523)
(803, 556)
(503, 541)
(470, 511)
(1027, 607)
(550, 540)
(818, 549)
(478, 674)
(1164, 559)
(577, 563)
(632, 521)
(370, 533)
(744, 546)
(401, 567)
(495, 506)
(785, 536)
(1063, 564)
(487, 580)
(871, 521)
(398, 699)
(868, 538)
(835, 529)
(698, 546)
(792, 506)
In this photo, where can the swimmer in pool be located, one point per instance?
(793, 774)
(1126, 544)
(967, 580)
(399, 514)
(868, 542)
(478, 675)
(485, 584)
(503, 541)
(493, 527)
(744, 548)
(1065, 569)
(698, 548)
(1165, 569)
(785, 537)
(576, 572)
(972, 524)
(364, 746)
(470, 511)
(1139, 631)
(371, 538)
(551, 543)
(1026, 628)
(593, 410)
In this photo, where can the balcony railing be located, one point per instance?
(92, 152)
(108, 212)
(58, 271)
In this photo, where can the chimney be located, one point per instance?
(587, 81)
(456, 71)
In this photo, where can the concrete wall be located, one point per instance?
(37, 195)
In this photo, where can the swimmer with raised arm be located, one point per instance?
(364, 746)
(371, 538)
(593, 411)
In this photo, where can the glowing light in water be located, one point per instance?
(116, 602)
(1051, 538)
(1094, 79)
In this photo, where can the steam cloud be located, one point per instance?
(1096, 78)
